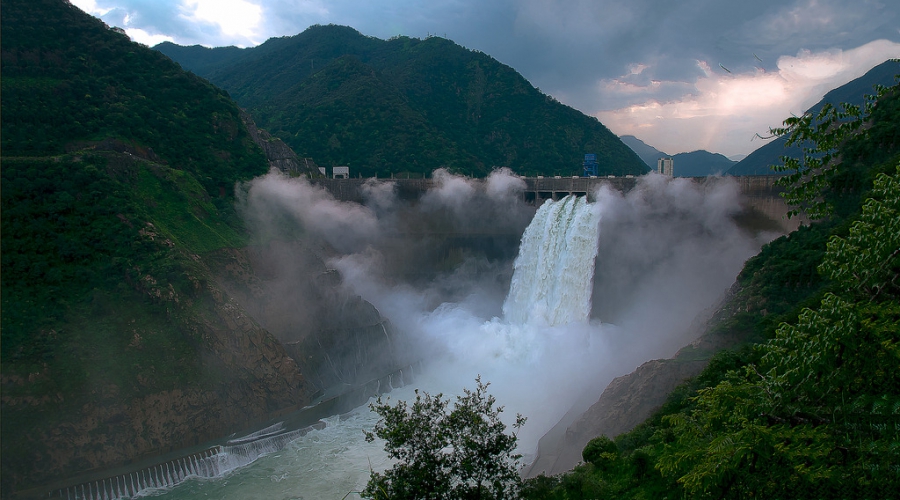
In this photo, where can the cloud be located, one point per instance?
(439, 235)
(238, 19)
(380, 196)
(636, 64)
(721, 111)
(91, 7)
(451, 191)
(503, 183)
(148, 39)
(439, 269)
(668, 249)
(274, 204)
(188, 22)
(817, 24)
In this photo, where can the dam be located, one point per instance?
(763, 206)
(536, 188)
(507, 345)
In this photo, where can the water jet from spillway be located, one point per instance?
(553, 274)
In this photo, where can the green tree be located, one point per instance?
(601, 452)
(818, 415)
(463, 453)
(823, 173)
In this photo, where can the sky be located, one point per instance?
(679, 75)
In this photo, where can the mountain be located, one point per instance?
(700, 164)
(404, 105)
(759, 161)
(138, 317)
(118, 172)
(694, 164)
(55, 103)
(198, 58)
(647, 153)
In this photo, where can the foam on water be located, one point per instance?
(323, 464)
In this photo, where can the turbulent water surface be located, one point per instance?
(332, 462)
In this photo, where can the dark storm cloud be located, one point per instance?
(566, 47)
(558, 44)
(601, 57)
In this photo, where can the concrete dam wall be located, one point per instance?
(764, 208)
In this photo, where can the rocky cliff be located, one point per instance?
(247, 376)
(630, 399)
(333, 335)
(279, 154)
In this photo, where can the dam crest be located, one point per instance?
(761, 200)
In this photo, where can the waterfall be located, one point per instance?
(553, 273)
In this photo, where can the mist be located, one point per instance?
(439, 269)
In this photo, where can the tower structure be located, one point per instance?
(665, 166)
(590, 165)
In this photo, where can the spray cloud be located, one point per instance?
(440, 269)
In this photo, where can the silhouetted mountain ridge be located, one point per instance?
(700, 164)
(693, 164)
(646, 152)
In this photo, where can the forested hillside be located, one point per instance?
(118, 173)
(809, 405)
(404, 106)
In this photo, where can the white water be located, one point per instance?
(554, 271)
(324, 464)
(545, 320)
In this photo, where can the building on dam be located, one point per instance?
(665, 166)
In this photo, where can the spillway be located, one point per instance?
(553, 274)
